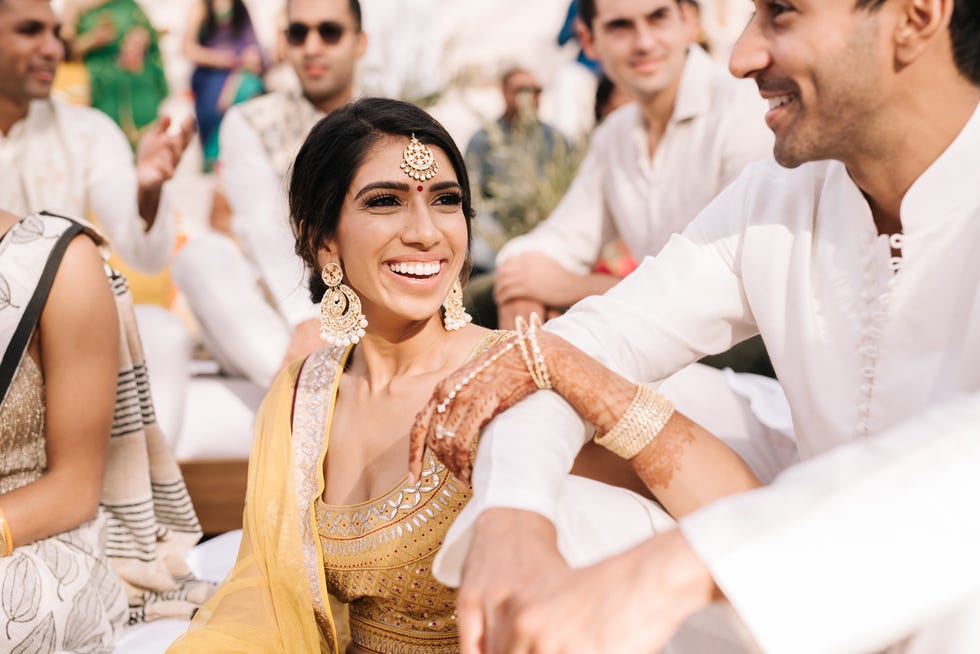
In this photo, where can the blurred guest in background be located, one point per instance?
(75, 160)
(509, 160)
(248, 296)
(221, 43)
(121, 52)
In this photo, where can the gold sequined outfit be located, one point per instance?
(22, 429)
(62, 585)
(378, 558)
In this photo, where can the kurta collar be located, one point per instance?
(947, 188)
(16, 132)
(23, 126)
(301, 100)
(694, 91)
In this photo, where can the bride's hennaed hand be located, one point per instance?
(464, 402)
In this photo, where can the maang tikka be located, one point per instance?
(455, 316)
(341, 320)
(418, 161)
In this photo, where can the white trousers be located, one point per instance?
(749, 413)
(244, 332)
(167, 348)
(956, 632)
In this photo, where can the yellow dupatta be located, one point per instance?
(275, 598)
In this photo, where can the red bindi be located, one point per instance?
(420, 188)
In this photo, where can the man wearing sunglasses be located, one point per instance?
(253, 328)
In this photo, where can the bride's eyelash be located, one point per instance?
(450, 198)
(381, 200)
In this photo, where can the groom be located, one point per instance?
(856, 261)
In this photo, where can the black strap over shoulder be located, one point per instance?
(32, 314)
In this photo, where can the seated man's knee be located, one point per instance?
(158, 326)
(199, 259)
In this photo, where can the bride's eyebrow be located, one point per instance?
(389, 186)
(442, 186)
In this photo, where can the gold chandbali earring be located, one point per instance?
(455, 316)
(341, 320)
(418, 161)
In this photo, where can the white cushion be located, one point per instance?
(218, 418)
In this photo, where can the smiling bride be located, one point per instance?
(380, 204)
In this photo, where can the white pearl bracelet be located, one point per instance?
(442, 406)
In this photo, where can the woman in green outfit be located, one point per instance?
(120, 49)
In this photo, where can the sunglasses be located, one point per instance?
(330, 32)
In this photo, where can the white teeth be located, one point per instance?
(418, 269)
(779, 101)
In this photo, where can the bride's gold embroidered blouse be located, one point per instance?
(378, 558)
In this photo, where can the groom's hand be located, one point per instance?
(514, 555)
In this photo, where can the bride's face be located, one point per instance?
(402, 242)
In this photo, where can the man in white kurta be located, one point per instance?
(621, 191)
(251, 297)
(70, 159)
(75, 160)
(651, 165)
(867, 294)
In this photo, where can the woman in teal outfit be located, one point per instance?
(221, 43)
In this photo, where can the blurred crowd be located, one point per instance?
(139, 60)
(521, 88)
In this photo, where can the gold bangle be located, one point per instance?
(543, 379)
(643, 421)
(535, 364)
(520, 328)
(6, 539)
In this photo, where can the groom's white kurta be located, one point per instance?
(875, 536)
